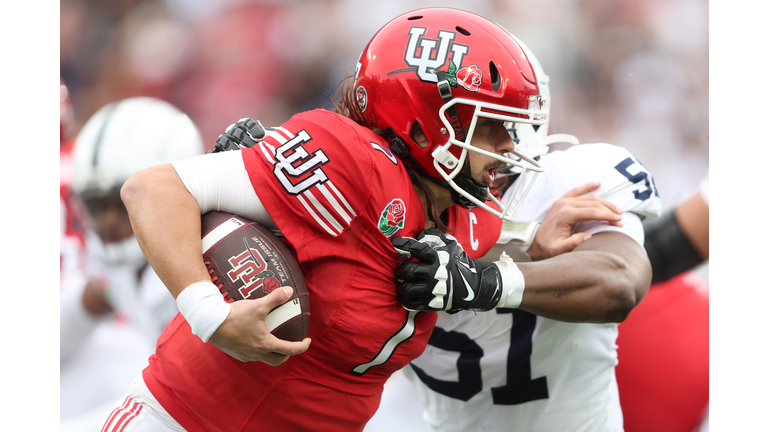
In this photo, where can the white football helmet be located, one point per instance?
(533, 141)
(121, 139)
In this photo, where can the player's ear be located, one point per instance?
(418, 136)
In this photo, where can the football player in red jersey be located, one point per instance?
(419, 129)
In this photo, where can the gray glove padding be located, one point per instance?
(246, 133)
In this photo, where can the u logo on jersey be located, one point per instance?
(296, 168)
(425, 55)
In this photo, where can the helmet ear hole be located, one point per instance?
(418, 136)
(495, 77)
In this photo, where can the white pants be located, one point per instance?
(139, 411)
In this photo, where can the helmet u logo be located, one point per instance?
(427, 59)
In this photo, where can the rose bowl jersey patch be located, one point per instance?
(393, 217)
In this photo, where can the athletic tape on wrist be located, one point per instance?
(521, 233)
(512, 281)
(204, 308)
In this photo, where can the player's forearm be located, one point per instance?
(587, 285)
(166, 222)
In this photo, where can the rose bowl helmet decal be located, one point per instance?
(362, 98)
(442, 69)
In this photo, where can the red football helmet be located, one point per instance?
(444, 68)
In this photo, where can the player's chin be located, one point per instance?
(498, 185)
(482, 180)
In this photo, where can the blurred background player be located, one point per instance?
(73, 257)
(663, 370)
(110, 323)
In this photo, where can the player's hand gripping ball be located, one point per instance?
(246, 261)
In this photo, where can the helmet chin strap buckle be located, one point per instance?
(445, 157)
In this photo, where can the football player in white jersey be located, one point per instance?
(508, 369)
(109, 326)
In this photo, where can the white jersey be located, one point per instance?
(100, 357)
(73, 257)
(510, 370)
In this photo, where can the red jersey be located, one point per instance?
(338, 195)
(476, 230)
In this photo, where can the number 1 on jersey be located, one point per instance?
(520, 387)
(406, 331)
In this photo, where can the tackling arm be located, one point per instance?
(601, 280)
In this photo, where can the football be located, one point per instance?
(246, 261)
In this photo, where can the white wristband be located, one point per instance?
(513, 282)
(521, 233)
(203, 307)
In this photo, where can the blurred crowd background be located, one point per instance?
(630, 73)
(635, 73)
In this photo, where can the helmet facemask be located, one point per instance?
(456, 172)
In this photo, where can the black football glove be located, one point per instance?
(445, 278)
(245, 133)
